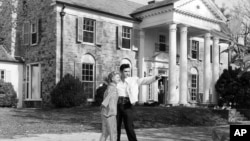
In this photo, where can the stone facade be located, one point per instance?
(47, 52)
(43, 53)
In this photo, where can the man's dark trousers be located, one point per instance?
(125, 113)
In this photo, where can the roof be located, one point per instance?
(153, 6)
(122, 8)
(6, 57)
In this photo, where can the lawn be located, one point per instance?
(37, 121)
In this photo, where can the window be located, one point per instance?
(194, 87)
(34, 33)
(88, 79)
(89, 30)
(195, 49)
(2, 75)
(126, 37)
(193, 84)
(30, 33)
(162, 43)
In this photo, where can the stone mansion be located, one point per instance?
(180, 39)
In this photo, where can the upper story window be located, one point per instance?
(2, 75)
(126, 37)
(162, 43)
(88, 30)
(34, 33)
(195, 49)
(30, 33)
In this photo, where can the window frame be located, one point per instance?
(88, 31)
(127, 36)
(35, 32)
(195, 48)
(28, 32)
(28, 87)
(89, 81)
(163, 43)
(194, 87)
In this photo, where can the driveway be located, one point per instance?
(152, 134)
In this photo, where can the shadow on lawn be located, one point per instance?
(70, 116)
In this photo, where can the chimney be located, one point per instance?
(151, 2)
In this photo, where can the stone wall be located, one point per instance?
(107, 56)
(44, 53)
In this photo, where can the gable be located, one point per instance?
(199, 7)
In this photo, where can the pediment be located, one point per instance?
(202, 8)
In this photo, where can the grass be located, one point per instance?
(37, 121)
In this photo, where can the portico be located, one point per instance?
(186, 30)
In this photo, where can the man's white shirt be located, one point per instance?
(130, 87)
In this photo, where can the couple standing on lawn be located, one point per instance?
(117, 106)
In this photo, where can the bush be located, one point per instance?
(233, 89)
(69, 92)
(8, 96)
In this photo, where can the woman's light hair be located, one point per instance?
(111, 75)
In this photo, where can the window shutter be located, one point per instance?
(80, 29)
(157, 47)
(201, 50)
(135, 39)
(119, 37)
(189, 85)
(8, 76)
(99, 32)
(220, 56)
(39, 30)
(211, 53)
(198, 50)
(189, 48)
(26, 33)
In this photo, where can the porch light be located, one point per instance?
(178, 59)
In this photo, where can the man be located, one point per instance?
(128, 89)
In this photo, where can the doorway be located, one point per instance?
(163, 90)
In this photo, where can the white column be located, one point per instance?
(183, 67)
(142, 96)
(216, 67)
(172, 96)
(207, 68)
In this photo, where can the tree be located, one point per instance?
(239, 25)
(14, 12)
(6, 10)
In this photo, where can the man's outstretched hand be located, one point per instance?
(157, 77)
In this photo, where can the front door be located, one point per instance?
(35, 81)
(33, 91)
(163, 90)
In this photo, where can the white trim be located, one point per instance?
(30, 82)
(37, 38)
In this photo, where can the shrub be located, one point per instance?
(69, 92)
(233, 89)
(8, 96)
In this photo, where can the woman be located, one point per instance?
(109, 108)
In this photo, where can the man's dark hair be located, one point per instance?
(124, 66)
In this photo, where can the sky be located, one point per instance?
(228, 3)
